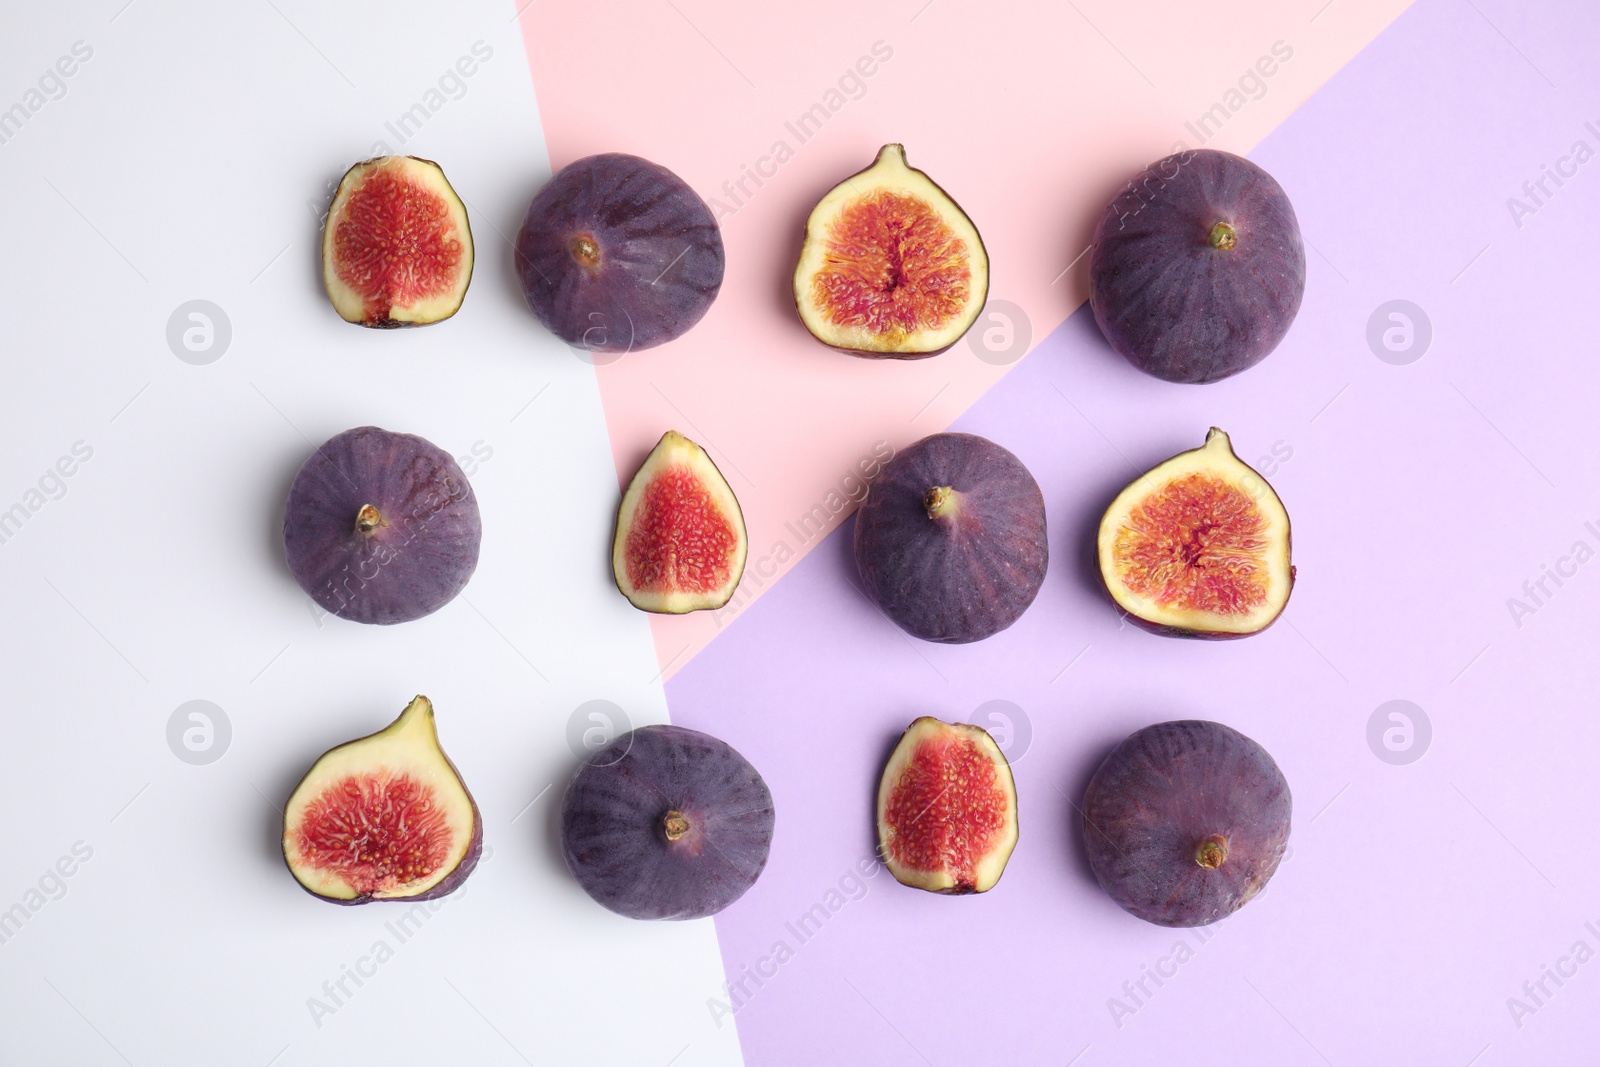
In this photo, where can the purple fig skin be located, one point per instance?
(1172, 303)
(617, 814)
(424, 548)
(1156, 802)
(965, 575)
(617, 253)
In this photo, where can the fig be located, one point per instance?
(1198, 546)
(950, 540)
(384, 817)
(381, 527)
(396, 246)
(947, 808)
(666, 823)
(617, 253)
(680, 544)
(1198, 267)
(1185, 821)
(890, 266)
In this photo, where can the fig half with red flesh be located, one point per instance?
(1198, 546)
(1185, 821)
(396, 246)
(950, 540)
(680, 544)
(1198, 267)
(381, 527)
(947, 808)
(890, 265)
(666, 823)
(384, 817)
(618, 253)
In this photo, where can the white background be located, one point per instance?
(178, 166)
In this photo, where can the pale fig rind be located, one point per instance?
(408, 746)
(1215, 458)
(441, 301)
(888, 173)
(937, 820)
(670, 570)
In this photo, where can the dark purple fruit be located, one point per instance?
(381, 527)
(666, 823)
(950, 540)
(1198, 267)
(617, 253)
(1185, 821)
(384, 817)
(397, 247)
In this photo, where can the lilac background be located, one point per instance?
(1416, 899)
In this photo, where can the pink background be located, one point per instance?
(1028, 114)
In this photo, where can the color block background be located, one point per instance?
(188, 157)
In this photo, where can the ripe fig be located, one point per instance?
(381, 527)
(1198, 546)
(950, 540)
(617, 253)
(947, 809)
(1185, 821)
(666, 823)
(680, 544)
(1198, 267)
(890, 265)
(384, 817)
(396, 246)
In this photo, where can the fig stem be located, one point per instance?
(1223, 236)
(940, 500)
(674, 825)
(585, 250)
(1211, 852)
(368, 519)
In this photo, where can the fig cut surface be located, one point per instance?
(1198, 546)
(384, 817)
(680, 544)
(396, 245)
(947, 809)
(890, 265)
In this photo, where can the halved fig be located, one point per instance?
(396, 247)
(1198, 546)
(1185, 822)
(947, 808)
(950, 541)
(890, 265)
(384, 817)
(680, 544)
(666, 823)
